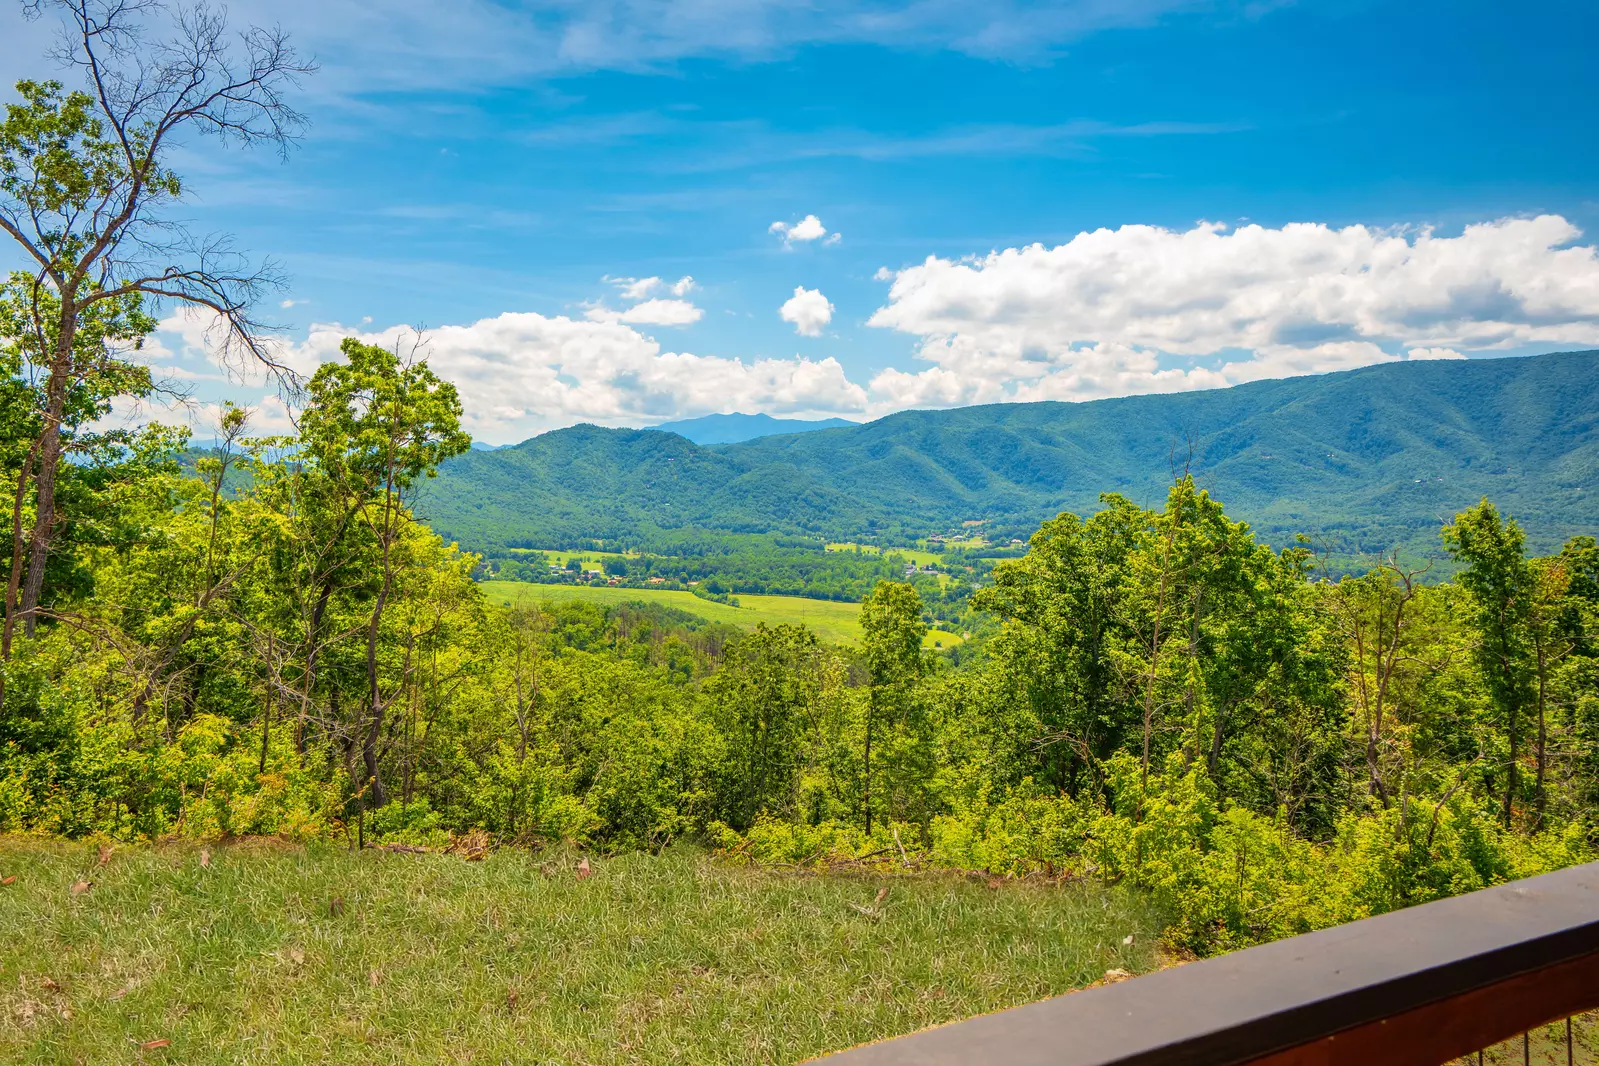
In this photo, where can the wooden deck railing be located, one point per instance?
(1418, 987)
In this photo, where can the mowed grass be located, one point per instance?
(836, 622)
(244, 956)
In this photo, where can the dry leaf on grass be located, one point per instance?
(80, 887)
(105, 853)
(584, 870)
(375, 977)
(1116, 975)
(48, 982)
(1127, 941)
(205, 856)
(336, 906)
(155, 1045)
(473, 846)
(8, 880)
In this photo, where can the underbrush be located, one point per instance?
(1224, 877)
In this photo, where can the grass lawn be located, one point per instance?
(241, 955)
(831, 620)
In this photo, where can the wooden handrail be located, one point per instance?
(1416, 987)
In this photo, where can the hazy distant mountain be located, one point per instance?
(735, 428)
(1366, 459)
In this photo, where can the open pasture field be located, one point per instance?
(831, 620)
(271, 954)
(561, 556)
(919, 556)
(851, 546)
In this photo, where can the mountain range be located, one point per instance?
(1363, 460)
(736, 428)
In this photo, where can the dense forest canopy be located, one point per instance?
(267, 639)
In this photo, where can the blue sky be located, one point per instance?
(489, 170)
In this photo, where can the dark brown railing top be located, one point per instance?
(1291, 993)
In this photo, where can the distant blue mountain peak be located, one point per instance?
(734, 428)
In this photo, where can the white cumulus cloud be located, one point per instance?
(642, 288)
(651, 310)
(807, 229)
(656, 312)
(520, 373)
(1114, 312)
(1147, 309)
(808, 310)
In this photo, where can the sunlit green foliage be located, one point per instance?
(272, 643)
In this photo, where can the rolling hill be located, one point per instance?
(1366, 459)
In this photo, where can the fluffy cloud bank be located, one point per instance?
(1145, 309)
(808, 310)
(521, 373)
(1110, 313)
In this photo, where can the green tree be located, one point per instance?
(1062, 608)
(766, 700)
(375, 426)
(97, 370)
(1500, 583)
(891, 644)
(86, 185)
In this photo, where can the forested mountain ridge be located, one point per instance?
(1366, 458)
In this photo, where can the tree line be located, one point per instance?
(269, 641)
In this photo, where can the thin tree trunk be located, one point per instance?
(871, 713)
(369, 746)
(1512, 730)
(1543, 733)
(313, 633)
(18, 542)
(1154, 661)
(266, 709)
(49, 463)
